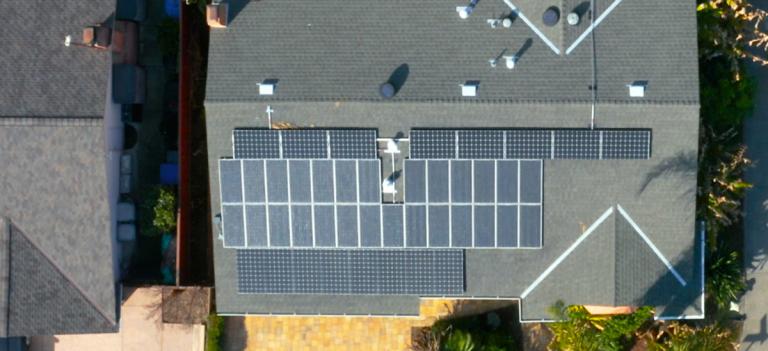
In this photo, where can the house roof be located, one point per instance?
(341, 50)
(42, 77)
(56, 253)
(653, 41)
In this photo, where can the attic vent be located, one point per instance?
(637, 88)
(217, 15)
(268, 87)
(387, 90)
(551, 16)
(469, 88)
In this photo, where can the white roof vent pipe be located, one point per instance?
(573, 18)
(511, 61)
(465, 11)
(469, 89)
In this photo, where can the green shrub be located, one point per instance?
(578, 330)
(165, 211)
(681, 337)
(213, 333)
(726, 281)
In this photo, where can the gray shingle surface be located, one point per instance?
(342, 50)
(43, 299)
(41, 76)
(54, 189)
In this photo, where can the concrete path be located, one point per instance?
(755, 302)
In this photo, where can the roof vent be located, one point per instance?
(217, 14)
(551, 16)
(465, 11)
(506, 23)
(387, 90)
(637, 89)
(573, 18)
(268, 87)
(511, 61)
(469, 88)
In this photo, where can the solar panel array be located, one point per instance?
(530, 144)
(304, 143)
(473, 203)
(337, 203)
(376, 272)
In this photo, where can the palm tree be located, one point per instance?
(681, 337)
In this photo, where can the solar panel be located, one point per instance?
(253, 180)
(484, 181)
(506, 226)
(346, 225)
(626, 144)
(439, 226)
(481, 144)
(233, 225)
(256, 143)
(279, 225)
(323, 186)
(305, 143)
(577, 144)
(438, 174)
(370, 226)
(375, 272)
(231, 186)
(416, 226)
(392, 219)
(301, 226)
(485, 229)
(353, 143)
(461, 226)
(369, 179)
(530, 181)
(346, 181)
(530, 226)
(256, 223)
(325, 226)
(506, 181)
(415, 181)
(433, 143)
(529, 144)
(300, 182)
(277, 180)
(461, 181)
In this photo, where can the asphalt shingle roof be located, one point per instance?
(329, 74)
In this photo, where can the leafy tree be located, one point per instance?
(681, 337)
(578, 330)
(165, 211)
(459, 340)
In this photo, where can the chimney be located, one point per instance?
(97, 37)
(217, 14)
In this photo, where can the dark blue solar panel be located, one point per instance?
(577, 144)
(433, 143)
(626, 144)
(353, 143)
(529, 144)
(371, 272)
(481, 144)
(256, 143)
(305, 143)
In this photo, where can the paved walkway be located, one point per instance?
(141, 329)
(343, 333)
(755, 302)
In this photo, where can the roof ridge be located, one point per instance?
(61, 272)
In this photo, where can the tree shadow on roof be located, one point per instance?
(399, 76)
(684, 164)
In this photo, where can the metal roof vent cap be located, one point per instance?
(573, 18)
(469, 89)
(387, 90)
(551, 16)
(268, 87)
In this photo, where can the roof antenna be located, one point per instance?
(594, 64)
(269, 115)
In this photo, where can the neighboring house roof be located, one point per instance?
(330, 58)
(56, 252)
